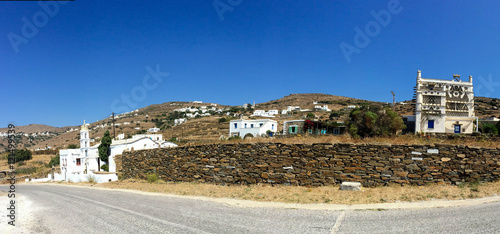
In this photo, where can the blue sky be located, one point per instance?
(60, 64)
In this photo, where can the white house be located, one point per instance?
(322, 108)
(263, 113)
(252, 128)
(272, 112)
(77, 164)
(444, 106)
(179, 121)
(259, 112)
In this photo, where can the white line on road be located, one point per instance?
(336, 227)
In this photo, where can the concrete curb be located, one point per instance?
(441, 203)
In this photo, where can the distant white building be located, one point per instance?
(252, 128)
(153, 130)
(263, 113)
(179, 121)
(322, 108)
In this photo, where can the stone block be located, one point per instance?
(350, 186)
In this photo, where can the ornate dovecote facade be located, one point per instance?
(444, 106)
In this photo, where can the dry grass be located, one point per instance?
(399, 140)
(327, 194)
(36, 165)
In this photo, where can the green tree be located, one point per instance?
(21, 155)
(489, 128)
(310, 116)
(72, 146)
(105, 147)
(498, 127)
(54, 161)
(373, 120)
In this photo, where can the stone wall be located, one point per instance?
(316, 164)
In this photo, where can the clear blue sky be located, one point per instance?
(82, 57)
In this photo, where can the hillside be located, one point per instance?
(208, 128)
(35, 128)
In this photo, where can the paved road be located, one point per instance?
(64, 209)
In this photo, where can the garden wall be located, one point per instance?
(316, 164)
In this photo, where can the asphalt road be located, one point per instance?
(67, 209)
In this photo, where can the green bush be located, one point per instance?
(489, 128)
(234, 138)
(105, 167)
(222, 120)
(152, 177)
(21, 155)
(72, 146)
(54, 161)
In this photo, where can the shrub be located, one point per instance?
(222, 120)
(489, 128)
(72, 146)
(234, 138)
(21, 155)
(54, 161)
(173, 139)
(92, 179)
(26, 170)
(152, 177)
(105, 167)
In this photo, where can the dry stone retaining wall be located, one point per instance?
(316, 164)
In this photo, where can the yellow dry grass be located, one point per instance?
(327, 194)
(38, 163)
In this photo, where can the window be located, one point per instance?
(78, 163)
(430, 123)
(235, 125)
(292, 129)
(251, 125)
(245, 125)
(272, 127)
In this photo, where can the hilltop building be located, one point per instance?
(444, 106)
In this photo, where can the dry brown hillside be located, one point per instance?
(209, 128)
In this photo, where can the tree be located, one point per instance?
(21, 155)
(489, 128)
(104, 148)
(54, 161)
(72, 146)
(373, 120)
(335, 114)
(310, 116)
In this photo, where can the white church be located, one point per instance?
(77, 164)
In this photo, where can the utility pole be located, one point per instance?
(113, 126)
(393, 98)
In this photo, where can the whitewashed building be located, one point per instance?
(77, 164)
(252, 128)
(444, 106)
